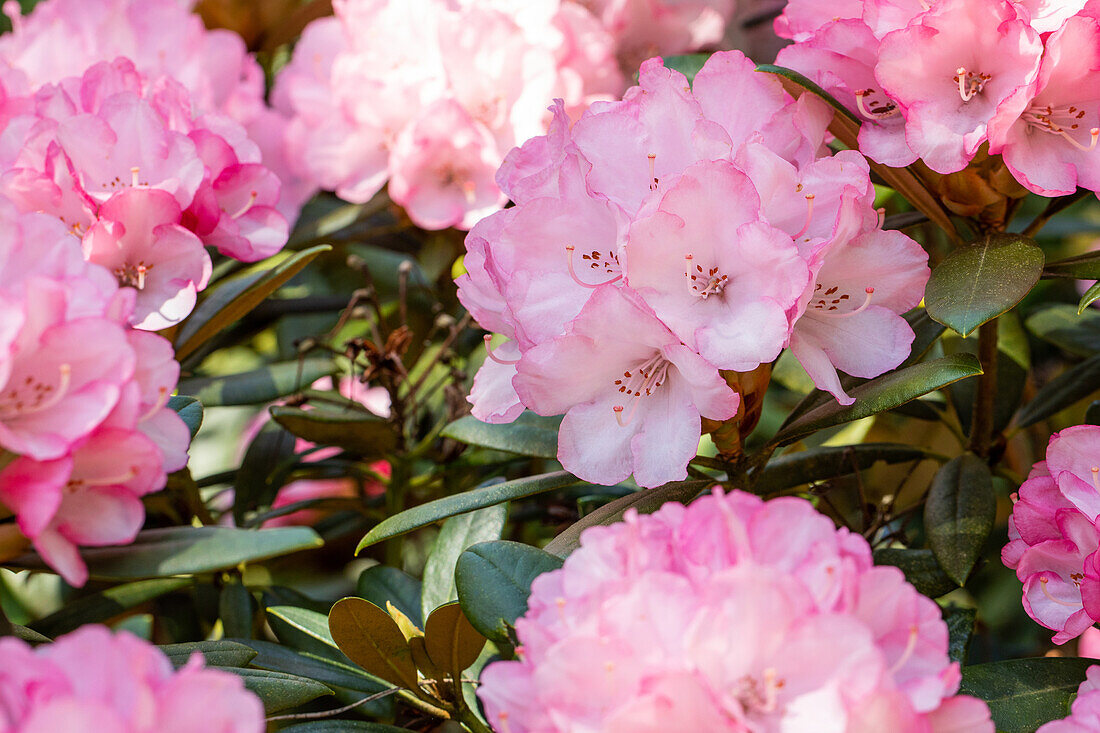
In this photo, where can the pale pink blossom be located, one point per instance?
(94, 679)
(730, 614)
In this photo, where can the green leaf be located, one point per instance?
(221, 653)
(309, 624)
(468, 501)
(235, 608)
(1073, 332)
(645, 501)
(361, 433)
(253, 485)
(343, 726)
(687, 64)
(828, 462)
(1025, 693)
(960, 627)
(105, 605)
(883, 393)
(28, 635)
(229, 302)
(454, 537)
(371, 639)
(451, 641)
(1081, 267)
(1091, 296)
(976, 283)
(190, 411)
(529, 435)
(920, 568)
(278, 658)
(494, 581)
(959, 513)
(257, 386)
(159, 553)
(278, 691)
(381, 584)
(1070, 386)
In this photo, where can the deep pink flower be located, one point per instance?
(951, 69)
(632, 394)
(95, 680)
(709, 617)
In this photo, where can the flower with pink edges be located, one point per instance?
(1054, 534)
(1084, 714)
(94, 679)
(671, 221)
(708, 617)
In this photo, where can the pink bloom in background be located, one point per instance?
(83, 399)
(710, 616)
(431, 95)
(1084, 714)
(1054, 535)
(94, 679)
(667, 236)
(937, 80)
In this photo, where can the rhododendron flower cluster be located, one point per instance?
(430, 94)
(730, 614)
(1054, 535)
(1085, 712)
(121, 160)
(666, 237)
(96, 680)
(84, 426)
(938, 79)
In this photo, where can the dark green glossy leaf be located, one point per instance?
(645, 501)
(960, 627)
(363, 434)
(494, 581)
(232, 300)
(920, 568)
(105, 605)
(279, 691)
(220, 653)
(959, 513)
(235, 608)
(158, 553)
(529, 435)
(828, 462)
(1070, 386)
(883, 393)
(254, 484)
(434, 511)
(457, 533)
(976, 283)
(687, 64)
(1025, 693)
(1061, 325)
(257, 386)
(381, 584)
(190, 411)
(1081, 267)
(278, 658)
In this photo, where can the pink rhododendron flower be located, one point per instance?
(728, 231)
(96, 679)
(1054, 535)
(709, 617)
(1084, 714)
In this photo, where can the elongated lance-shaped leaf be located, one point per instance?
(257, 386)
(458, 533)
(1025, 693)
(959, 513)
(434, 511)
(1067, 388)
(221, 652)
(278, 691)
(529, 435)
(828, 462)
(106, 604)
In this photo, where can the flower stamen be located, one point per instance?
(910, 647)
(809, 216)
(248, 205)
(872, 112)
(569, 251)
(1043, 584)
(489, 351)
(827, 310)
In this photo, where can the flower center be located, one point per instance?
(31, 394)
(131, 275)
(252, 196)
(970, 83)
(759, 695)
(640, 381)
(608, 264)
(875, 109)
(703, 283)
(828, 302)
(1075, 577)
(1061, 121)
